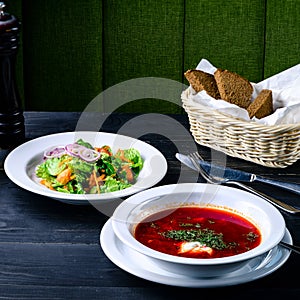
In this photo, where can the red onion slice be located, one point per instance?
(55, 151)
(74, 149)
(89, 155)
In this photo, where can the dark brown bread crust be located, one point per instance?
(262, 105)
(233, 88)
(200, 81)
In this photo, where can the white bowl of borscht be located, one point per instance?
(198, 229)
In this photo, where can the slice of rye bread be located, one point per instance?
(200, 80)
(233, 88)
(262, 105)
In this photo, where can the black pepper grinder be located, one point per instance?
(12, 129)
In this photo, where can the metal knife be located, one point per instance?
(237, 175)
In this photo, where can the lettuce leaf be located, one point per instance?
(112, 185)
(81, 142)
(135, 157)
(52, 167)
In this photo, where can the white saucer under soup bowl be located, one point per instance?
(135, 209)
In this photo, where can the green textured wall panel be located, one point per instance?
(72, 50)
(143, 38)
(14, 7)
(282, 35)
(62, 53)
(230, 34)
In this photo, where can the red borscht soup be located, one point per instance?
(198, 232)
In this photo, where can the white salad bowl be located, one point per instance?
(20, 164)
(136, 208)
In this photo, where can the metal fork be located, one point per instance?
(195, 157)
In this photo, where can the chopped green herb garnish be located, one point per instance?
(251, 236)
(204, 236)
(197, 225)
(153, 225)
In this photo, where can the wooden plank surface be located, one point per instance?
(51, 250)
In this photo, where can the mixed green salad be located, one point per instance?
(80, 168)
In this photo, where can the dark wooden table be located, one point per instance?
(51, 250)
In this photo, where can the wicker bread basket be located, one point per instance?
(276, 146)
